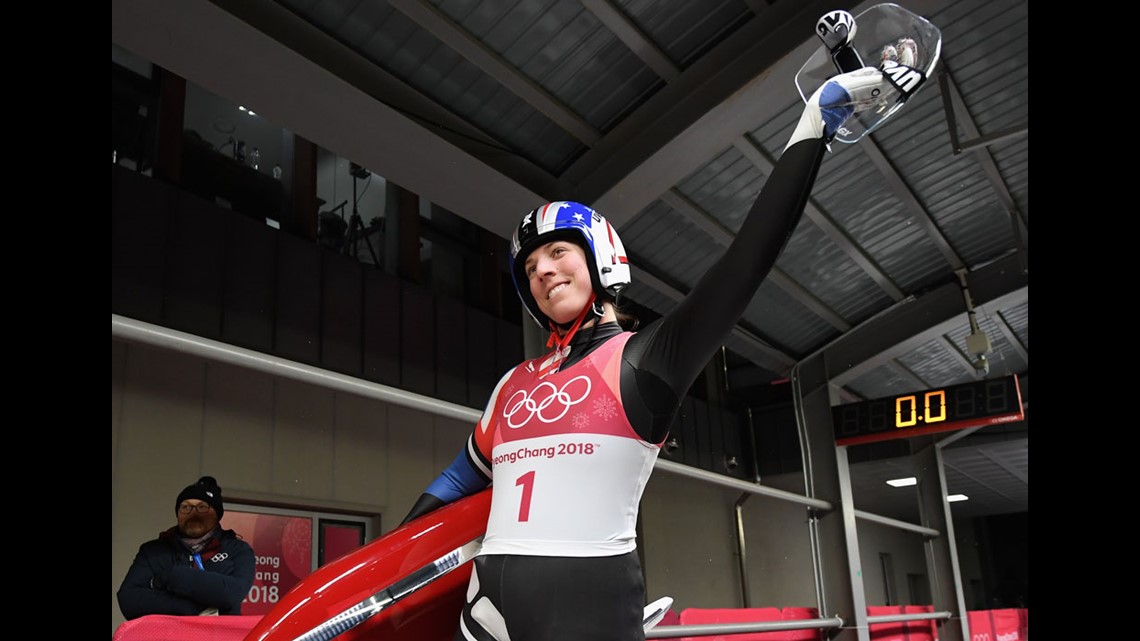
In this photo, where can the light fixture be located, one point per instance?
(954, 498)
(910, 480)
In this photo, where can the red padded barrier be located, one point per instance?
(922, 630)
(706, 616)
(165, 627)
(981, 625)
(1009, 624)
(1006, 625)
(902, 630)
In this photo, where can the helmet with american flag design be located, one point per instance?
(567, 220)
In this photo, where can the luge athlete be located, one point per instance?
(570, 438)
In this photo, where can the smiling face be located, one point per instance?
(559, 279)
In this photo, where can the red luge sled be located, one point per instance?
(408, 585)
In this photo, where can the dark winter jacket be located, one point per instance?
(164, 578)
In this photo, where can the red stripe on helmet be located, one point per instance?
(610, 233)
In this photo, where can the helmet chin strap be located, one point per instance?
(561, 343)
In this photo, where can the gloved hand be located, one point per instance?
(837, 100)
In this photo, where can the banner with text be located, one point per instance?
(283, 547)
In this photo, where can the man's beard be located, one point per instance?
(195, 527)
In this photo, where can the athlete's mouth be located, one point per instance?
(557, 288)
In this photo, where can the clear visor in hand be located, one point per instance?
(902, 44)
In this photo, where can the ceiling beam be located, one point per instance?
(621, 26)
(1011, 337)
(747, 78)
(467, 46)
(920, 319)
(959, 116)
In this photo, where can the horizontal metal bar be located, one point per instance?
(709, 629)
(895, 618)
(744, 486)
(140, 332)
(902, 525)
(995, 137)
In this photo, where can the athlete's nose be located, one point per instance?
(544, 266)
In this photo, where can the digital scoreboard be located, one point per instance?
(940, 409)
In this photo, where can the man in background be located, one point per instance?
(193, 568)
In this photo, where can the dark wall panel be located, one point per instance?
(198, 232)
(248, 284)
(417, 342)
(690, 439)
(704, 435)
(298, 326)
(381, 344)
(342, 313)
(508, 346)
(482, 370)
(450, 350)
(777, 440)
(716, 439)
(733, 445)
(140, 207)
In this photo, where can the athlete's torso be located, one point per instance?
(568, 470)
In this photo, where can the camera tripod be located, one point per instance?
(356, 231)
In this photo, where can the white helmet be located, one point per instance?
(565, 220)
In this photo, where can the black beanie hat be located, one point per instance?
(207, 490)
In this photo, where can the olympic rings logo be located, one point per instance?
(219, 557)
(523, 402)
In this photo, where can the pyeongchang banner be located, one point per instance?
(283, 546)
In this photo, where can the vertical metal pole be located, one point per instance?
(835, 543)
(742, 556)
(941, 552)
(854, 563)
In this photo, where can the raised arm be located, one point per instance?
(664, 359)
